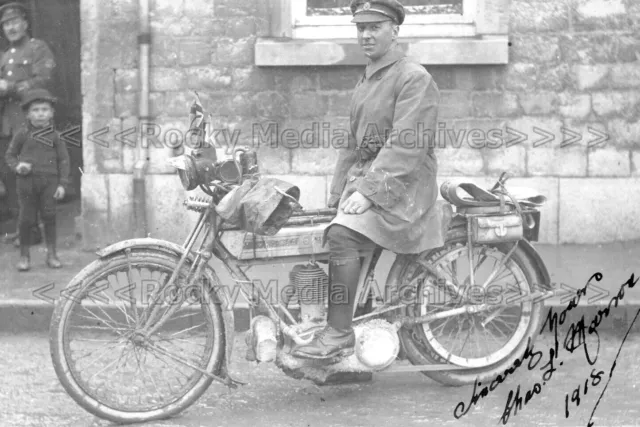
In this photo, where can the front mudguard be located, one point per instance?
(218, 292)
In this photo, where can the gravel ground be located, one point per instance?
(33, 396)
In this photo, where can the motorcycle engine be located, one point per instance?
(377, 342)
(310, 285)
(377, 347)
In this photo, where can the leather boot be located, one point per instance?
(337, 338)
(50, 237)
(25, 262)
(327, 344)
(52, 258)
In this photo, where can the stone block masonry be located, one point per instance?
(563, 115)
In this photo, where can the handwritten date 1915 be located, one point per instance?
(596, 377)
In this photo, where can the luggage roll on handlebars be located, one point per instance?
(248, 202)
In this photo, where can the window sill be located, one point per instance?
(275, 52)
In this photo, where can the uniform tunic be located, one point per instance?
(390, 158)
(29, 64)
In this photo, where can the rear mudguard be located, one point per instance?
(177, 251)
(460, 231)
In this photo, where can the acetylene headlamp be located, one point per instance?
(202, 167)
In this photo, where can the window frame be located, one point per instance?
(480, 36)
(414, 26)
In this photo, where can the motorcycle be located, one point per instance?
(458, 313)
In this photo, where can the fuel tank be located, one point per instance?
(289, 241)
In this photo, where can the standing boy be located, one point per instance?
(27, 64)
(41, 162)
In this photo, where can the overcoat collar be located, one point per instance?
(392, 56)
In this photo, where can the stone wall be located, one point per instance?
(574, 67)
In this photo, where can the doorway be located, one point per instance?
(57, 22)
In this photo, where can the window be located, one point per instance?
(320, 32)
(331, 19)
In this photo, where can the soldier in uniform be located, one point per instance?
(384, 183)
(27, 64)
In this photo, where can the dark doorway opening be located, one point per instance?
(57, 22)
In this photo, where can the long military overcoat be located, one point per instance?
(390, 157)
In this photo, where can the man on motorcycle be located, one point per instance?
(386, 178)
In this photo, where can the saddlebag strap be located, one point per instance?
(476, 210)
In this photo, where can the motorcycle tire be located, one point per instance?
(72, 381)
(419, 351)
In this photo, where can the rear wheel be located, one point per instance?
(103, 361)
(487, 342)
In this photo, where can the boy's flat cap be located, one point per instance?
(37, 95)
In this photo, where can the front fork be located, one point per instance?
(210, 247)
(151, 323)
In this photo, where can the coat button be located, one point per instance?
(353, 178)
(9, 73)
(11, 61)
(13, 50)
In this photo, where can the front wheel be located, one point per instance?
(112, 370)
(487, 342)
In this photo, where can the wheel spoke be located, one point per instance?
(497, 319)
(113, 362)
(482, 258)
(152, 353)
(467, 343)
(182, 340)
(99, 358)
(104, 321)
(144, 371)
(187, 330)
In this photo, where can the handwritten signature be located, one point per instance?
(578, 336)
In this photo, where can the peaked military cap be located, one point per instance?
(11, 11)
(377, 10)
(37, 95)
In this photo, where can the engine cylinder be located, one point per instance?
(311, 285)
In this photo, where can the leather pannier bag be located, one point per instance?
(496, 229)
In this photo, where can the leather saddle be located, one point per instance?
(469, 198)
